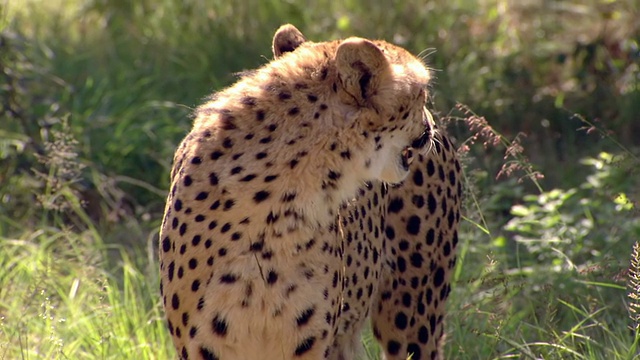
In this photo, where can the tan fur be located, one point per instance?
(251, 244)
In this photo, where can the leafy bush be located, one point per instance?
(576, 226)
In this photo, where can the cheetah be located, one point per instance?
(284, 229)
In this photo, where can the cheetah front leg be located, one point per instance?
(421, 228)
(362, 237)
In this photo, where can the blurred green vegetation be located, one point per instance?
(95, 95)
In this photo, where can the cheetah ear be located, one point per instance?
(360, 65)
(286, 39)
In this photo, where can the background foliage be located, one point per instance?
(542, 98)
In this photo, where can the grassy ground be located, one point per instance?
(96, 94)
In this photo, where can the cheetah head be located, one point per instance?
(379, 95)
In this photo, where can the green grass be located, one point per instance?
(64, 294)
(61, 298)
(96, 94)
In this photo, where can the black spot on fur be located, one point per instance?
(418, 178)
(414, 350)
(193, 263)
(284, 95)
(228, 279)
(166, 244)
(261, 155)
(175, 302)
(418, 201)
(207, 354)
(406, 299)
(272, 277)
(213, 179)
(216, 155)
(293, 111)
(219, 326)
(288, 197)
(195, 285)
(431, 168)
(403, 245)
(202, 196)
(432, 204)
(305, 345)
(305, 316)
(248, 178)
(395, 205)
(171, 270)
(261, 196)
(227, 122)
(393, 347)
(439, 277)
(390, 232)
(423, 334)
(413, 225)
(257, 246)
(401, 320)
(416, 259)
(272, 218)
(430, 238)
(402, 264)
(228, 204)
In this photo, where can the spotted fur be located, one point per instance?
(284, 231)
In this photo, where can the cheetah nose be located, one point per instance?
(407, 157)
